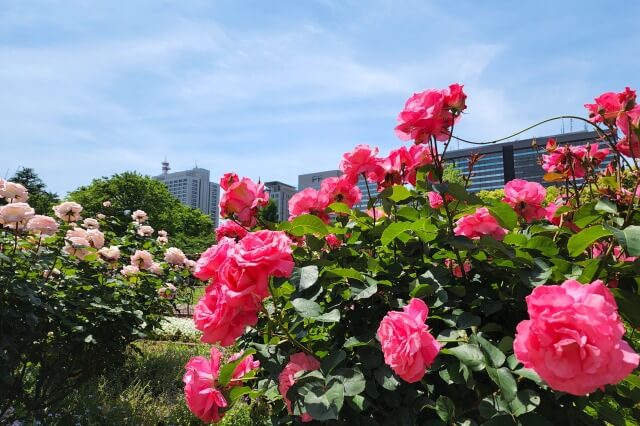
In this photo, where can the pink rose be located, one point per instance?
(526, 198)
(297, 362)
(243, 286)
(142, 259)
(219, 322)
(91, 223)
(68, 211)
(95, 238)
(429, 113)
(338, 190)
(174, 256)
(204, 399)
(573, 339)
(362, 160)
(145, 231)
(77, 247)
(162, 240)
(269, 251)
(245, 366)
(228, 179)
(609, 105)
(408, 347)
(332, 241)
(455, 268)
(395, 168)
(478, 224)
(129, 270)
(230, 229)
(168, 292)
(139, 216)
(13, 192)
(376, 213)
(210, 261)
(110, 254)
(307, 201)
(242, 199)
(435, 200)
(155, 268)
(43, 225)
(421, 156)
(16, 215)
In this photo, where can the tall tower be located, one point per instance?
(165, 166)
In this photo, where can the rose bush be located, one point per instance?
(435, 307)
(73, 295)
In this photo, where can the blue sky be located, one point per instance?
(273, 89)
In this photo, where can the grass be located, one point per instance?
(147, 390)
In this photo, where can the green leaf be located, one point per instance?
(393, 231)
(525, 402)
(359, 292)
(339, 208)
(227, 370)
(408, 212)
(470, 355)
(323, 402)
(544, 245)
(307, 224)
(305, 277)
(352, 379)
(332, 360)
(606, 206)
(579, 242)
(458, 192)
(495, 355)
(353, 342)
(528, 373)
(399, 193)
(385, 378)
(311, 310)
(504, 214)
(628, 303)
(505, 381)
(345, 273)
(238, 391)
(446, 409)
(629, 238)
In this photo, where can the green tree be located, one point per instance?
(131, 191)
(452, 174)
(39, 198)
(269, 213)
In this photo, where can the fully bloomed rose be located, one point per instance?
(526, 198)
(362, 160)
(230, 229)
(209, 263)
(338, 190)
(174, 256)
(220, 322)
(609, 105)
(13, 192)
(91, 223)
(142, 259)
(16, 215)
(110, 254)
(307, 201)
(43, 225)
(68, 211)
(297, 362)
(269, 251)
(573, 339)
(421, 156)
(242, 199)
(139, 216)
(429, 113)
(408, 347)
(478, 224)
(145, 231)
(203, 395)
(395, 168)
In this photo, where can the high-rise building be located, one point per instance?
(280, 193)
(500, 163)
(193, 188)
(312, 180)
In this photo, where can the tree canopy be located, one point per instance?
(39, 198)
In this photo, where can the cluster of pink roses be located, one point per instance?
(205, 397)
(572, 161)
(332, 190)
(619, 111)
(242, 198)
(573, 339)
(431, 114)
(239, 273)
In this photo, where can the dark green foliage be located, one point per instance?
(39, 198)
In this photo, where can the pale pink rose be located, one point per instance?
(203, 398)
(230, 229)
(100, 216)
(139, 216)
(162, 240)
(220, 322)
(526, 198)
(168, 292)
(190, 264)
(333, 242)
(43, 225)
(142, 259)
(16, 215)
(68, 211)
(91, 223)
(162, 233)
(307, 201)
(174, 256)
(429, 114)
(455, 269)
(338, 190)
(14, 192)
(129, 270)
(376, 213)
(478, 224)
(287, 378)
(361, 161)
(145, 231)
(77, 247)
(110, 254)
(95, 238)
(241, 201)
(106, 203)
(408, 347)
(573, 339)
(156, 269)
